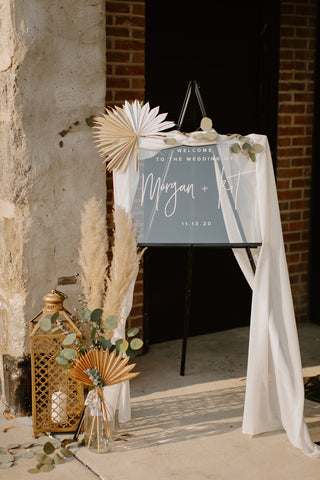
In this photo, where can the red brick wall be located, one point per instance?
(295, 120)
(125, 30)
(125, 51)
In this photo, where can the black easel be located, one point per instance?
(194, 86)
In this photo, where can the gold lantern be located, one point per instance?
(57, 400)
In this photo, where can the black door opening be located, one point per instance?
(230, 48)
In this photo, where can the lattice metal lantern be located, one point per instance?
(57, 400)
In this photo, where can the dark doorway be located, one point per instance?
(314, 257)
(231, 49)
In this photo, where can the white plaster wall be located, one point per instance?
(52, 80)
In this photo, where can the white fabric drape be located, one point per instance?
(274, 392)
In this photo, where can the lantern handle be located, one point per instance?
(60, 293)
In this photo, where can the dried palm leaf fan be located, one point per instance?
(117, 139)
(112, 367)
(118, 130)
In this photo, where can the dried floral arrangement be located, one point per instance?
(98, 361)
(104, 286)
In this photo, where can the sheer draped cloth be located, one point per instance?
(274, 391)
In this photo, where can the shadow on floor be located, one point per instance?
(189, 416)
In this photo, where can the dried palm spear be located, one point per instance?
(112, 367)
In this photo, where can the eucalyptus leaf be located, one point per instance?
(33, 470)
(206, 124)
(54, 316)
(131, 353)
(58, 460)
(66, 453)
(136, 343)
(48, 448)
(111, 322)
(244, 139)
(45, 324)
(106, 343)
(46, 468)
(257, 148)
(55, 441)
(247, 148)
(42, 439)
(6, 465)
(27, 444)
(12, 446)
(40, 457)
(96, 315)
(170, 141)
(47, 460)
(133, 332)
(62, 360)
(211, 136)
(252, 157)
(122, 345)
(68, 353)
(93, 333)
(199, 136)
(6, 458)
(28, 454)
(85, 314)
(235, 148)
(69, 339)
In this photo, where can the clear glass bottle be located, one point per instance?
(98, 423)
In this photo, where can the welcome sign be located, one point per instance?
(178, 199)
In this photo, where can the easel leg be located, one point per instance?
(251, 259)
(186, 310)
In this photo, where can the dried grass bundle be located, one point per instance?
(112, 367)
(125, 262)
(93, 258)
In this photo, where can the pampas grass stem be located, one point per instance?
(93, 258)
(125, 263)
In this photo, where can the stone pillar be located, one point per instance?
(52, 81)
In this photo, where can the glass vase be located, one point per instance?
(98, 423)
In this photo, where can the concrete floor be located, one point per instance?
(190, 427)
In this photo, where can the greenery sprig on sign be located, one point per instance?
(246, 147)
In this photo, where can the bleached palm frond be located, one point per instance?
(146, 122)
(117, 132)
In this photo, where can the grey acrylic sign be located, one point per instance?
(178, 200)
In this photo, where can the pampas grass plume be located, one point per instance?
(125, 262)
(93, 258)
